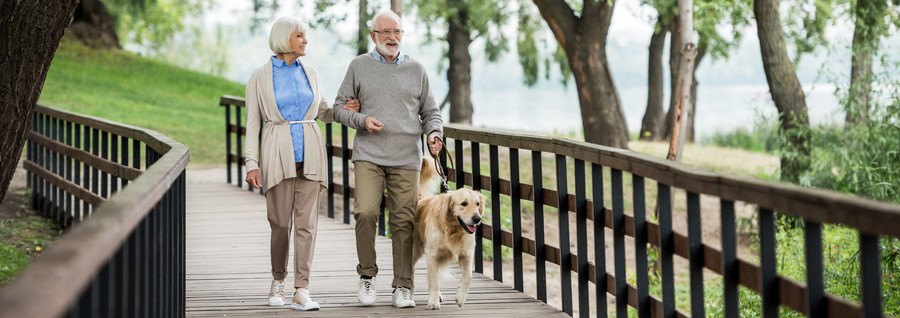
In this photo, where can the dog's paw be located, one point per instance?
(461, 298)
(441, 297)
(434, 301)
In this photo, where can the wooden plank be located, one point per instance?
(113, 168)
(63, 184)
(228, 267)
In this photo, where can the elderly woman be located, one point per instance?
(284, 97)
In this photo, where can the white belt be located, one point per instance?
(292, 122)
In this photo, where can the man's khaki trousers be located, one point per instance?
(402, 185)
(297, 199)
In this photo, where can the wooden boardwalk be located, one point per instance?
(228, 267)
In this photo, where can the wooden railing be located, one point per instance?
(119, 191)
(814, 207)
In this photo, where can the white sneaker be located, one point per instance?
(367, 293)
(302, 301)
(276, 293)
(403, 298)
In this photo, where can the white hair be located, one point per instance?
(280, 36)
(381, 13)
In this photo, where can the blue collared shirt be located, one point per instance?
(377, 56)
(293, 95)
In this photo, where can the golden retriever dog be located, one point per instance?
(445, 226)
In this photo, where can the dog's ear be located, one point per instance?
(446, 203)
(481, 205)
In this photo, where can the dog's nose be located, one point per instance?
(476, 219)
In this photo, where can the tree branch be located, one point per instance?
(560, 18)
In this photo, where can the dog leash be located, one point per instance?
(437, 165)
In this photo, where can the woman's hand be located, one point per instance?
(253, 178)
(352, 105)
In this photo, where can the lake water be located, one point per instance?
(732, 92)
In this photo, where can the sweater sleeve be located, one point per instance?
(429, 112)
(348, 90)
(251, 142)
(324, 113)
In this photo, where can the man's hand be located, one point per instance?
(373, 125)
(253, 178)
(435, 144)
(352, 105)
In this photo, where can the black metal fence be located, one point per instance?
(119, 191)
(596, 212)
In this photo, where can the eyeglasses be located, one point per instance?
(388, 32)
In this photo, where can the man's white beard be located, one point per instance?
(387, 51)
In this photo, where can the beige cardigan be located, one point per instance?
(274, 155)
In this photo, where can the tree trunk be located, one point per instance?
(584, 40)
(674, 60)
(28, 41)
(362, 33)
(652, 125)
(397, 7)
(459, 74)
(865, 43)
(682, 79)
(692, 129)
(94, 26)
(785, 89)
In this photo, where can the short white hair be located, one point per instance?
(280, 36)
(388, 13)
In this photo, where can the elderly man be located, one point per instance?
(397, 107)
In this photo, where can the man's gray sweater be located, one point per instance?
(399, 97)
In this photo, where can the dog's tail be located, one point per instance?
(428, 177)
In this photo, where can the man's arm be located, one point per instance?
(430, 114)
(347, 90)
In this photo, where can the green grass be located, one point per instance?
(761, 137)
(127, 88)
(23, 235)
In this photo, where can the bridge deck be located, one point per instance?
(228, 267)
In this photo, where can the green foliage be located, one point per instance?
(841, 272)
(483, 19)
(761, 137)
(263, 10)
(862, 159)
(152, 23)
(806, 21)
(526, 47)
(711, 17)
(123, 87)
(548, 54)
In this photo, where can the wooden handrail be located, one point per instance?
(824, 206)
(871, 218)
(66, 268)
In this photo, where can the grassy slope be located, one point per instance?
(127, 88)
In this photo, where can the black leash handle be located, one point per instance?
(440, 169)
